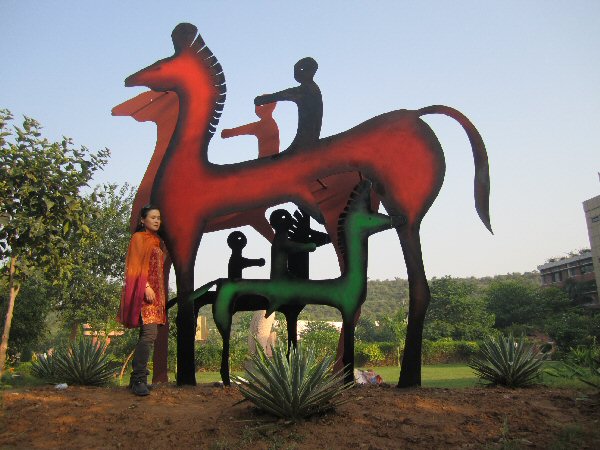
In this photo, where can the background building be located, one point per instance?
(578, 269)
(592, 217)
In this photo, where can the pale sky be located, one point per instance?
(524, 72)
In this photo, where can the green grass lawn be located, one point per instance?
(436, 376)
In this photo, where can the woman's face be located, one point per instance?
(152, 220)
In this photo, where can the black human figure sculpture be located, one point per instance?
(237, 263)
(282, 246)
(307, 97)
(298, 262)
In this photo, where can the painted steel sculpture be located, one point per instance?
(397, 151)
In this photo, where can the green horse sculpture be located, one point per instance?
(345, 293)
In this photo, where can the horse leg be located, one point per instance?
(419, 297)
(348, 358)
(223, 309)
(225, 359)
(291, 320)
(186, 327)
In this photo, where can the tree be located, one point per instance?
(321, 336)
(29, 325)
(92, 292)
(457, 311)
(515, 302)
(40, 204)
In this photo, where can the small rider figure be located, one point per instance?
(265, 130)
(307, 97)
(237, 241)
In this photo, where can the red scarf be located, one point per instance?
(136, 276)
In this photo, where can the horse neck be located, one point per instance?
(355, 259)
(191, 136)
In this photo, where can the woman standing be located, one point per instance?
(143, 302)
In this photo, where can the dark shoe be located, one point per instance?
(139, 388)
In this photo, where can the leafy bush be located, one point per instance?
(368, 354)
(296, 388)
(322, 337)
(84, 362)
(574, 328)
(448, 351)
(507, 361)
(208, 355)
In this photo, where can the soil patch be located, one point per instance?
(376, 417)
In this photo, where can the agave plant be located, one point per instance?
(295, 387)
(84, 362)
(507, 361)
(44, 367)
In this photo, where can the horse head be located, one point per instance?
(192, 72)
(359, 219)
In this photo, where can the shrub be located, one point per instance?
(293, 388)
(508, 362)
(208, 356)
(368, 354)
(84, 362)
(448, 351)
(322, 337)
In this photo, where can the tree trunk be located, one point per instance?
(261, 329)
(14, 290)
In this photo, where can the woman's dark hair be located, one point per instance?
(143, 213)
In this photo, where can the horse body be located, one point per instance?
(397, 151)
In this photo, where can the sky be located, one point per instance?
(524, 72)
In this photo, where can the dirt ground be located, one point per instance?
(376, 417)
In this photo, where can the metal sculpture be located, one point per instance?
(397, 151)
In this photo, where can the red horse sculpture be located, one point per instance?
(397, 151)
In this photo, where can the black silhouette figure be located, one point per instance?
(298, 262)
(237, 241)
(282, 246)
(307, 97)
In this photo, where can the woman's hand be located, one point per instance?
(150, 295)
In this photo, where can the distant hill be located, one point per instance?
(386, 297)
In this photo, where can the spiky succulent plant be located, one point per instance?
(83, 362)
(293, 388)
(507, 361)
(44, 368)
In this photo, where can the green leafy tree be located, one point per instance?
(388, 328)
(457, 311)
(41, 206)
(92, 292)
(321, 336)
(517, 302)
(29, 326)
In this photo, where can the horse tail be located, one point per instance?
(482, 172)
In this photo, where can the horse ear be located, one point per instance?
(183, 36)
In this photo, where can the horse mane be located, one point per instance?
(360, 191)
(185, 36)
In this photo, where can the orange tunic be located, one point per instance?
(144, 264)
(155, 312)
